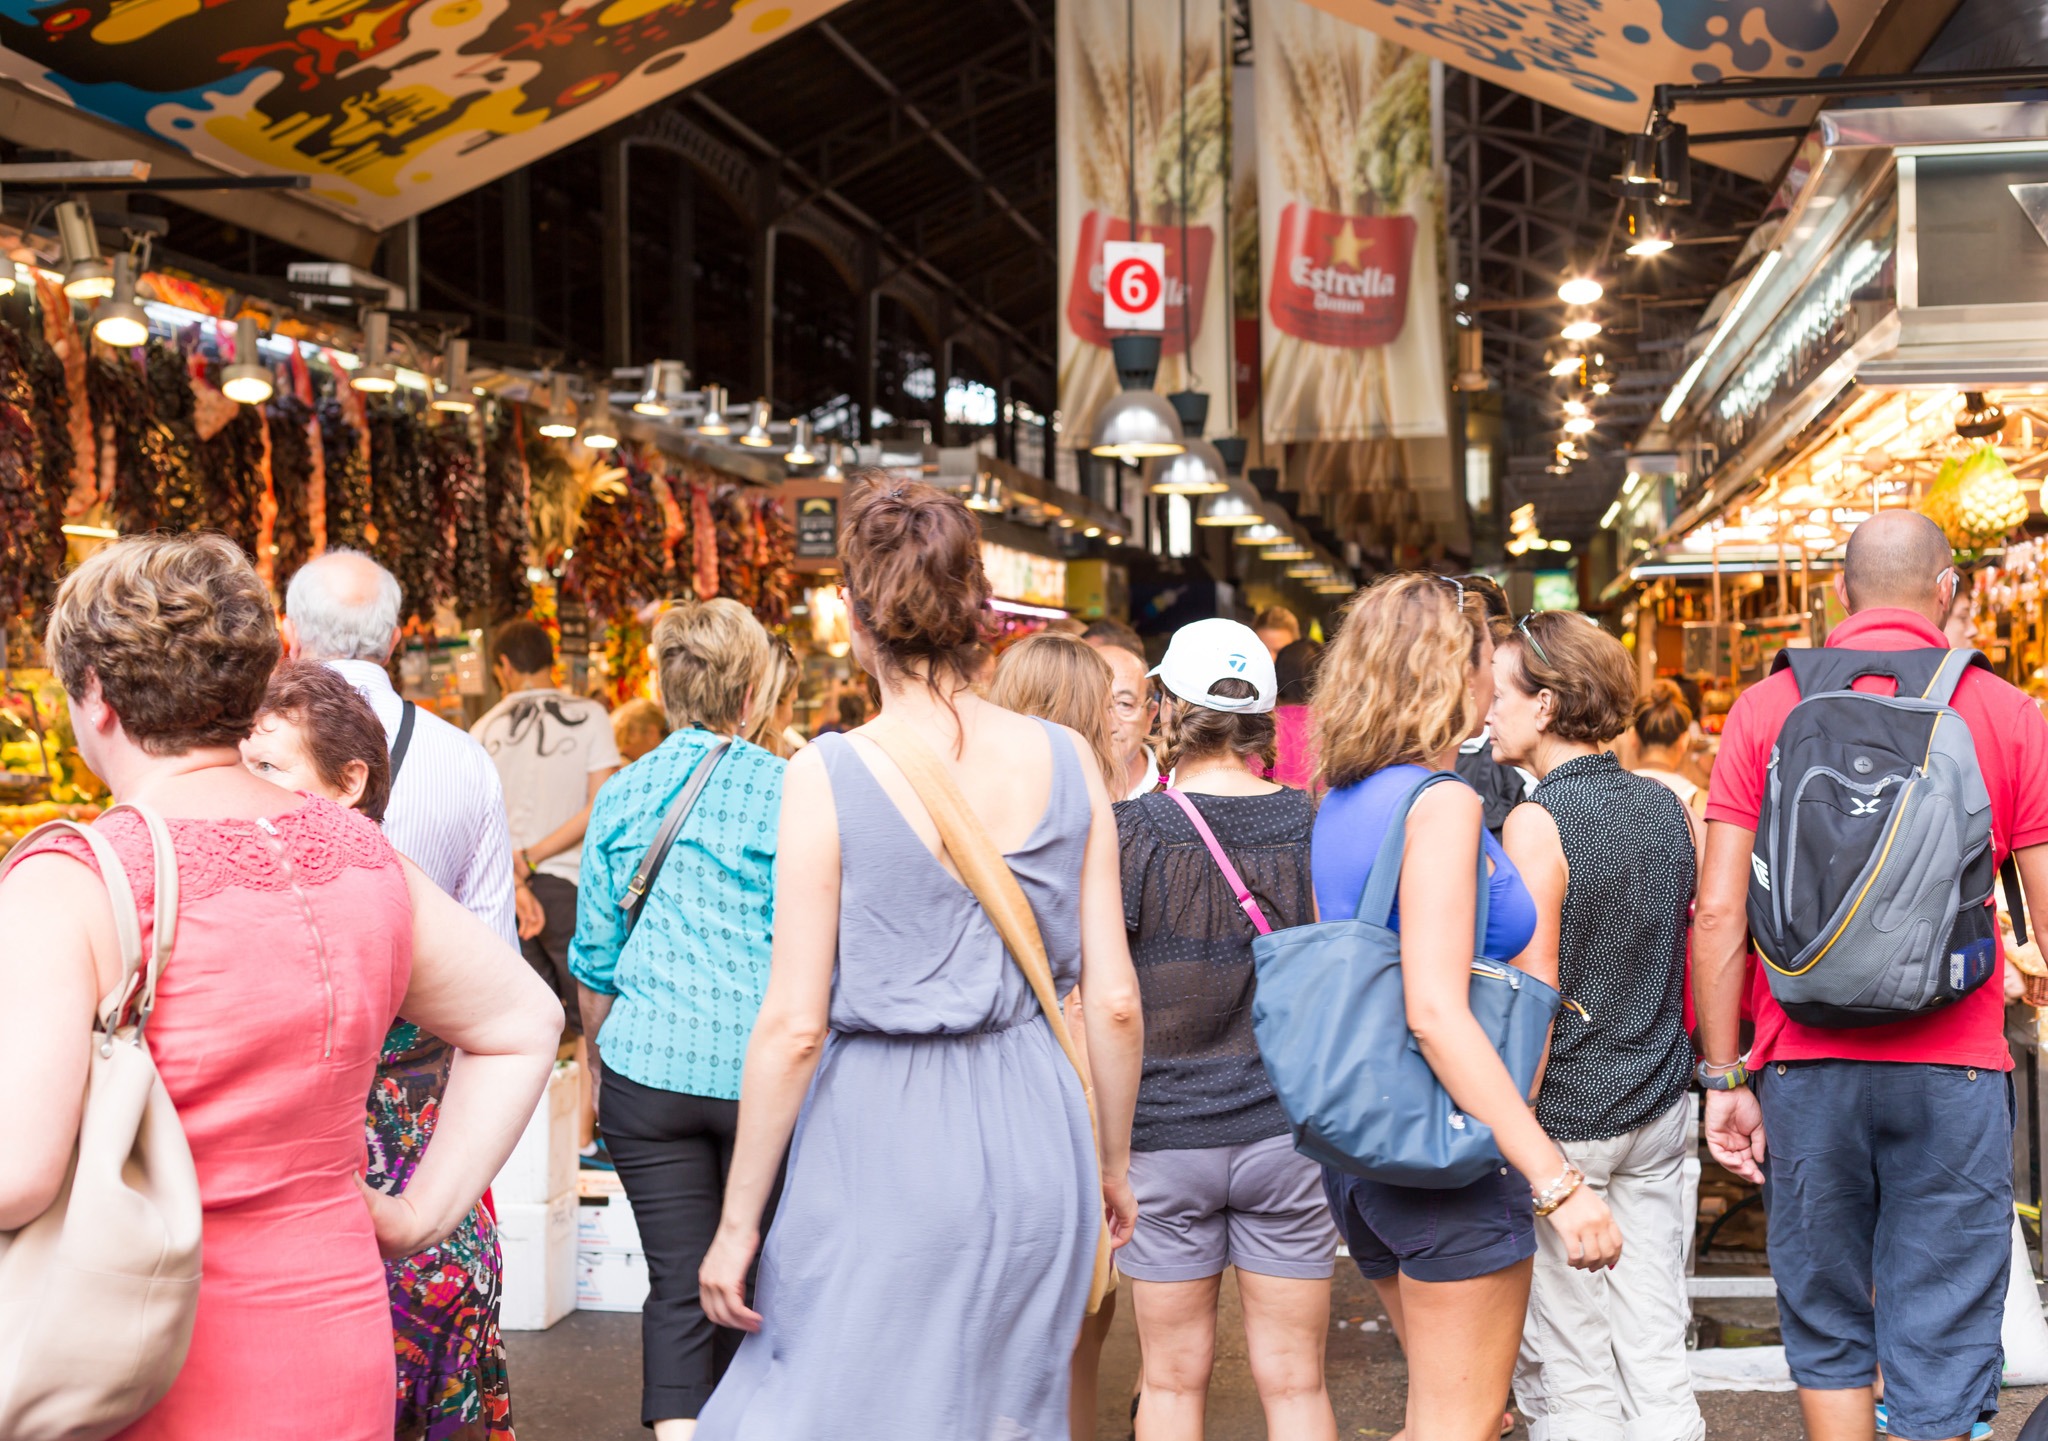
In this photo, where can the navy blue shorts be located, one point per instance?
(1430, 1235)
(1893, 1179)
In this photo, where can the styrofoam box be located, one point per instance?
(543, 1165)
(611, 1280)
(538, 1244)
(605, 1223)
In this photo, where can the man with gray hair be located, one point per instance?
(447, 808)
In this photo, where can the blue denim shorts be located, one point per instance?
(1430, 1235)
(1893, 1180)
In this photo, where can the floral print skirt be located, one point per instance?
(444, 1301)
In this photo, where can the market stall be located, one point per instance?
(1880, 346)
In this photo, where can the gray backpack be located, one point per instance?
(1872, 868)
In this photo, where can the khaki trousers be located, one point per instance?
(1603, 1352)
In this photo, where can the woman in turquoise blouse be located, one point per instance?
(670, 1008)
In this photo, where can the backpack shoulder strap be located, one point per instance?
(1929, 673)
(1948, 673)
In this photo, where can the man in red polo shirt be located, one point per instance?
(1889, 1163)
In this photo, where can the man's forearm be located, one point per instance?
(1720, 935)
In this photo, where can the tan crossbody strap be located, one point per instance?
(135, 996)
(982, 866)
(989, 876)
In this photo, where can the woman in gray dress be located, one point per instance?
(931, 1254)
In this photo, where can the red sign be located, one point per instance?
(1084, 294)
(1341, 280)
(1134, 285)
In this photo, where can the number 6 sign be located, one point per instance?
(1133, 285)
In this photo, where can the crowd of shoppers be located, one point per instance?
(961, 992)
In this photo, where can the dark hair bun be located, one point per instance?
(912, 559)
(1666, 718)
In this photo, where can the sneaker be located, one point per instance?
(594, 1157)
(1979, 1432)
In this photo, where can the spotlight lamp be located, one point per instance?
(598, 432)
(799, 452)
(1584, 327)
(560, 421)
(713, 422)
(1645, 231)
(1578, 425)
(1980, 416)
(87, 276)
(457, 396)
(756, 434)
(666, 382)
(376, 375)
(1563, 362)
(1260, 535)
(1574, 407)
(248, 381)
(1580, 290)
(833, 470)
(119, 319)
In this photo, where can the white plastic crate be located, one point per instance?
(543, 1165)
(605, 1223)
(608, 1280)
(538, 1244)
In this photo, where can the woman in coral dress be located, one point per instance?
(301, 935)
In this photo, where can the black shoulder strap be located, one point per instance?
(403, 742)
(635, 899)
(1931, 672)
(2014, 900)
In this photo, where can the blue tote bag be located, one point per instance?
(1332, 1025)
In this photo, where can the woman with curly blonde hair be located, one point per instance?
(1408, 678)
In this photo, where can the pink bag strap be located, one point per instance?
(1237, 885)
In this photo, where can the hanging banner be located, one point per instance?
(1350, 220)
(1098, 89)
(1601, 61)
(391, 106)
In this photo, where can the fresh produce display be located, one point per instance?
(18, 821)
(1976, 499)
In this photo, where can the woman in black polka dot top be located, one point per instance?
(1608, 858)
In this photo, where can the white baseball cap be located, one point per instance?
(1207, 651)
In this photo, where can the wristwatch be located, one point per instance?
(1716, 1078)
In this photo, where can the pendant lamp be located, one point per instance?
(375, 375)
(1136, 423)
(248, 381)
(598, 432)
(799, 452)
(713, 422)
(87, 276)
(455, 394)
(560, 421)
(666, 382)
(756, 434)
(119, 319)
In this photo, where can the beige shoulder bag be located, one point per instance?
(989, 876)
(97, 1294)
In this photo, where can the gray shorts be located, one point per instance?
(1258, 1207)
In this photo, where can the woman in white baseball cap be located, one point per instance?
(1208, 864)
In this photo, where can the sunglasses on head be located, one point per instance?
(1528, 635)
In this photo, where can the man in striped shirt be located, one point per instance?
(447, 809)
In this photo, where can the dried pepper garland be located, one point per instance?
(618, 562)
(348, 476)
(182, 496)
(21, 471)
(50, 410)
(291, 473)
(505, 487)
(778, 556)
(465, 516)
(232, 464)
(405, 509)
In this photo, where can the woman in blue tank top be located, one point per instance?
(1408, 678)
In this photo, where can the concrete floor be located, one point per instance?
(581, 1381)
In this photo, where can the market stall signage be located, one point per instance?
(1019, 575)
(1134, 285)
(1850, 292)
(391, 108)
(817, 528)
